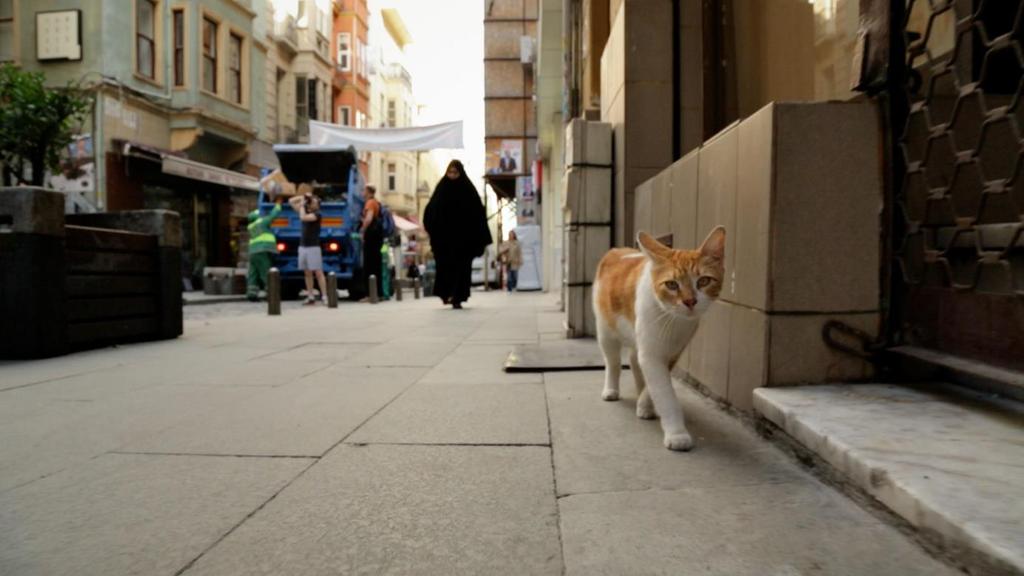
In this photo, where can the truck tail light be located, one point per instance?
(280, 246)
(332, 246)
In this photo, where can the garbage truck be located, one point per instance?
(333, 173)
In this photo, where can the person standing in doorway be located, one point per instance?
(457, 225)
(512, 255)
(311, 259)
(373, 238)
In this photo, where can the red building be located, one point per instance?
(351, 94)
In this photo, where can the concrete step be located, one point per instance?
(922, 364)
(948, 460)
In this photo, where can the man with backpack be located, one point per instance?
(373, 231)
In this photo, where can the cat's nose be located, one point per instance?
(690, 303)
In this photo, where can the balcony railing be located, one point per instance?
(394, 70)
(286, 31)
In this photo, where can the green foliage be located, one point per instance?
(36, 122)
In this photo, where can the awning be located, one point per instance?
(414, 139)
(503, 184)
(404, 224)
(207, 173)
(185, 168)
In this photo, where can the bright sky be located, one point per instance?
(446, 61)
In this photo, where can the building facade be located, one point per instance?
(510, 124)
(352, 63)
(178, 100)
(392, 105)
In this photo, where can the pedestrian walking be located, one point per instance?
(262, 248)
(373, 239)
(311, 259)
(457, 225)
(511, 254)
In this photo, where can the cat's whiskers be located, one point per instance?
(666, 322)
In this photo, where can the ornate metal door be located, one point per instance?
(958, 183)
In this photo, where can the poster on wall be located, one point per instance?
(526, 201)
(76, 177)
(511, 160)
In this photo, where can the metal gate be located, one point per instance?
(958, 178)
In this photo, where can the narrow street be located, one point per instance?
(387, 440)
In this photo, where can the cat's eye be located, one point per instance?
(672, 285)
(704, 281)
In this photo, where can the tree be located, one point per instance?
(36, 123)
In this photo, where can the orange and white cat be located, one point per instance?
(651, 301)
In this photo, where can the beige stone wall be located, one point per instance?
(636, 98)
(774, 52)
(510, 110)
(799, 189)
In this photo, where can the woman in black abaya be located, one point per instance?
(457, 225)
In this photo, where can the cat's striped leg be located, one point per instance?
(611, 349)
(659, 386)
(644, 405)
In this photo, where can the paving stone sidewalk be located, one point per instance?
(386, 440)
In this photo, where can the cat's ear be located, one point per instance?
(714, 245)
(651, 248)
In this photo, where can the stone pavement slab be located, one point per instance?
(404, 510)
(777, 529)
(508, 326)
(304, 418)
(257, 372)
(67, 434)
(130, 514)
(948, 460)
(602, 446)
(406, 351)
(473, 363)
(320, 352)
(461, 414)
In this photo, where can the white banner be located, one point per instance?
(414, 139)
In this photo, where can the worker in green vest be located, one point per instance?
(262, 247)
(385, 271)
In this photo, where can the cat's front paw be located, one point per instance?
(609, 395)
(645, 410)
(681, 442)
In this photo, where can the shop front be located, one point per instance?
(213, 203)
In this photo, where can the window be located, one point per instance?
(235, 68)
(6, 30)
(178, 17)
(344, 51)
(345, 115)
(391, 177)
(322, 110)
(360, 119)
(391, 114)
(209, 55)
(145, 33)
(301, 104)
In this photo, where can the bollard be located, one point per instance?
(398, 290)
(374, 298)
(416, 288)
(332, 290)
(274, 292)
